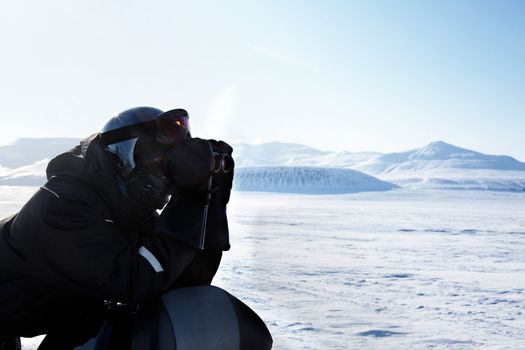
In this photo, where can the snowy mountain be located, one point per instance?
(27, 151)
(24, 162)
(438, 155)
(311, 180)
(438, 165)
(274, 153)
(291, 154)
(444, 166)
(27, 175)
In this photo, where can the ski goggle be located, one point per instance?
(172, 126)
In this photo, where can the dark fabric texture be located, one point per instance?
(199, 193)
(254, 335)
(10, 344)
(217, 232)
(69, 249)
(173, 221)
(189, 164)
(208, 228)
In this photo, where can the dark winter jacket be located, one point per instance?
(66, 251)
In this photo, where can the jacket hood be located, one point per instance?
(90, 164)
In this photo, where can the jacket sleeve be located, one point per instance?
(72, 246)
(201, 270)
(187, 215)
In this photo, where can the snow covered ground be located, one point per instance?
(392, 270)
(402, 269)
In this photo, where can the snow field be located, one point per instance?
(392, 270)
(379, 270)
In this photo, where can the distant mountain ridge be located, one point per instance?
(440, 165)
(273, 153)
(292, 154)
(438, 155)
(29, 157)
(436, 165)
(26, 151)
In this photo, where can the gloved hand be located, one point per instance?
(217, 232)
(223, 172)
(189, 165)
(196, 212)
(189, 168)
(185, 218)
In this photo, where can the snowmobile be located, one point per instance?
(192, 318)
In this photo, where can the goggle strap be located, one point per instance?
(127, 132)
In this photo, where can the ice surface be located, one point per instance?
(377, 270)
(392, 270)
(458, 179)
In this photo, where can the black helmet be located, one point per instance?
(121, 133)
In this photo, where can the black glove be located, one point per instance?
(196, 212)
(188, 218)
(217, 232)
(185, 218)
(189, 165)
(189, 168)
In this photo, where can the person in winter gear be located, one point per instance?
(92, 235)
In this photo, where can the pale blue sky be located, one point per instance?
(336, 75)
